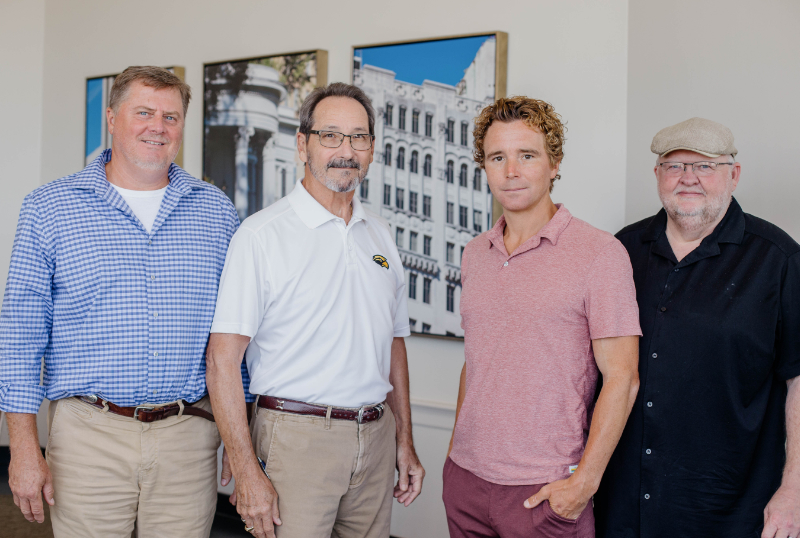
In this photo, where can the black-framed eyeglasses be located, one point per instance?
(332, 139)
(700, 168)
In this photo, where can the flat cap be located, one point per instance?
(703, 136)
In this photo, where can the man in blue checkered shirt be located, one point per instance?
(113, 280)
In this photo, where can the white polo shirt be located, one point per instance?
(320, 300)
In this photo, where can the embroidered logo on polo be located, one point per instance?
(380, 260)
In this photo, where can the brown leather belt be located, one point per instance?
(362, 415)
(148, 413)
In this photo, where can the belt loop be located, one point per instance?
(180, 404)
(328, 418)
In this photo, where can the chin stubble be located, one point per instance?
(321, 175)
(702, 216)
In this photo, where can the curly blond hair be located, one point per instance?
(536, 114)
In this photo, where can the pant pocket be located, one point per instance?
(548, 524)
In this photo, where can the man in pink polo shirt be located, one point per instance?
(547, 301)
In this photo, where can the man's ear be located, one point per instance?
(110, 117)
(302, 148)
(555, 171)
(736, 172)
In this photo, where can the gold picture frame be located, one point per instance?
(423, 180)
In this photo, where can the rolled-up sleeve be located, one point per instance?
(27, 313)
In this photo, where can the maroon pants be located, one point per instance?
(479, 509)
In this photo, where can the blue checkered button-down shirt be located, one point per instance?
(114, 311)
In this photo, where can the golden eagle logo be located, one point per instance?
(380, 260)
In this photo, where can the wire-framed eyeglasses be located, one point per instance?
(700, 168)
(332, 139)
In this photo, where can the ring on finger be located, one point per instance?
(249, 529)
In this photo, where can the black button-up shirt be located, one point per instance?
(704, 447)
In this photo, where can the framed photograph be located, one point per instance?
(424, 181)
(250, 124)
(97, 137)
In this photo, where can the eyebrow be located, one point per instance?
(336, 128)
(500, 152)
(148, 109)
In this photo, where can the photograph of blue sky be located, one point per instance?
(95, 108)
(441, 61)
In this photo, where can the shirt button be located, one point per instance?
(655, 355)
(149, 242)
(648, 451)
(155, 315)
(155, 354)
(505, 264)
(155, 392)
(152, 277)
(646, 496)
(663, 308)
(676, 269)
(649, 404)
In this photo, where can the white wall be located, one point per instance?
(21, 69)
(732, 61)
(572, 53)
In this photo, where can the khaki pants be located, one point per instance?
(334, 478)
(110, 472)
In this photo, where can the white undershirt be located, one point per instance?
(144, 204)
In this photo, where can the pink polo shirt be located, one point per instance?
(529, 321)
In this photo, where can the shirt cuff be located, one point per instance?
(233, 328)
(18, 398)
(402, 332)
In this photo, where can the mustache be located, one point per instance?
(343, 163)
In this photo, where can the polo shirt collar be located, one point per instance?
(551, 231)
(312, 213)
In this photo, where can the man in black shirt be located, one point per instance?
(712, 446)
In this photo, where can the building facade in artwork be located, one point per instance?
(425, 183)
(250, 135)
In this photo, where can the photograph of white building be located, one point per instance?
(424, 181)
(250, 126)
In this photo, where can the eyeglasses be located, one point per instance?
(700, 169)
(332, 139)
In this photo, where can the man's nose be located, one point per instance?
(688, 175)
(157, 124)
(346, 150)
(511, 168)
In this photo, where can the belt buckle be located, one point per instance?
(138, 407)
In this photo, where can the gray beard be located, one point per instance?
(702, 216)
(321, 175)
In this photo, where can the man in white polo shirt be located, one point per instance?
(313, 291)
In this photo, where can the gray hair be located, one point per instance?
(154, 77)
(335, 89)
